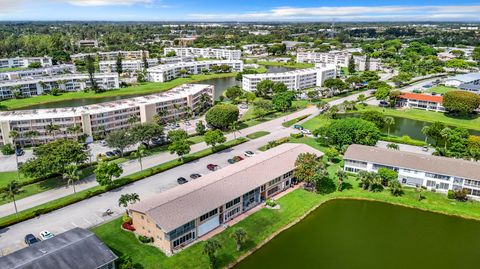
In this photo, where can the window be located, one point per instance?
(183, 239)
(231, 213)
(437, 176)
(443, 186)
(275, 181)
(272, 190)
(232, 203)
(209, 214)
(431, 183)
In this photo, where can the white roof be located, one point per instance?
(165, 67)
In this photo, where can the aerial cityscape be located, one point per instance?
(139, 134)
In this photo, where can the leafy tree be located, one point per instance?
(106, 171)
(370, 76)
(262, 107)
(71, 175)
(351, 65)
(145, 132)
(331, 153)
(200, 128)
(128, 198)
(279, 87)
(233, 93)
(264, 88)
(401, 78)
(306, 166)
(335, 84)
(90, 65)
(249, 97)
(282, 101)
(120, 140)
(461, 102)
(176, 135)
(214, 137)
(139, 154)
(374, 116)
(240, 236)
(126, 262)
(456, 64)
(180, 147)
(75, 130)
(350, 131)
(210, 248)
(434, 131)
(222, 115)
(171, 54)
(382, 93)
(387, 175)
(35, 65)
(10, 191)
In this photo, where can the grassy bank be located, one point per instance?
(143, 88)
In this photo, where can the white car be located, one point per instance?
(249, 153)
(44, 235)
(307, 132)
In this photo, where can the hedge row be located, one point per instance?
(85, 194)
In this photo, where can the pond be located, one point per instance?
(220, 85)
(404, 126)
(369, 235)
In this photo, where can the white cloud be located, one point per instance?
(87, 3)
(359, 13)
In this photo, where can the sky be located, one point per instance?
(244, 10)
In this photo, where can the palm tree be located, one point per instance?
(12, 189)
(445, 133)
(341, 174)
(234, 127)
(389, 121)
(363, 175)
(14, 135)
(128, 198)
(32, 134)
(74, 129)
(132, 120)
(52, 129)
(425, 131)
(240, 236)
(139, 153)
(71, 175)
(395, 187)
(211, 246)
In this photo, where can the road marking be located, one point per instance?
(74, 225)
(87, 221)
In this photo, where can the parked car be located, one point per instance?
(425, 148)
(181, 180)
(212, 167)
(117, 152)
(195, 176)
(249, 153)
(231, 161)
(383, 103)
(30, 239)
(44, 235)
(298, 127)
(109, 154)
(103, 143)
(237, 158)
(307, 132)
(19, 152)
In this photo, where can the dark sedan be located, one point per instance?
(181, 180)
(30, 239)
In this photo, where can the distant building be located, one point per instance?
(166, 72)
(38, 72)
(127, 65)
(87, 43)
(176, 59)
(112, 55)
(24, 62)
(294, 80)
(417, 170)
(422, 101)
(179, 216)
(74, 249)
(339, 59)
(226, 54)
(467, 82)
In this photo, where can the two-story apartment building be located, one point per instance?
(226, 54)
(166, 72)
(421, 101)
(24, 62)
(38, 72)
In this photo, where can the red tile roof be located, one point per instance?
(422, 97)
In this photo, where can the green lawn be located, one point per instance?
(316, 122)
(258, 134)
(440, 89)
(7, 177)
(144, 88)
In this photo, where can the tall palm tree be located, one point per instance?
(363, 175)
(52, 129)
(445, 133)
(71, 175)
(128, 198)
(75, 130)
(12, 189)
(139, 153)
(389, 121)
(14, 135)
(425, 131)
(234, 127)
(341, 174)
(175, 108)
(32, 134)
(132, 120)
(211, 246)
(240, 236)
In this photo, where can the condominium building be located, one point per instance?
(226, 54)
(176, 59)
(339, 59)
(421, 101)
(294, 80)
(414, 169)
(38, 72)
(99, 119)
(179, 216)
(370, 64)
(127, 65)
(69, 82)
(24, 62)
(166, 72)
(467, 82)
(87, 43)
(112, 55)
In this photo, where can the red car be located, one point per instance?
(238, 158)
(212, 167)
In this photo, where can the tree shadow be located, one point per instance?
(346, 186)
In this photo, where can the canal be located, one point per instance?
(369, 235)
(220, 85)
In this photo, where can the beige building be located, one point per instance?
(99, 119)
(179, 216)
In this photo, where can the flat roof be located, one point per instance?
(415, 161)
(165, 67)
(423, 97)
(177, 206)
(74, 249)
(30, 80)
(466, 77)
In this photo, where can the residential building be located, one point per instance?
(417, 170)
(74, 249)
(362, 63)
(294, 80)
(112, 55)
(27, 87)
(181, 215)
(166, 72)
(337, 58)
(24, 62)
(225, 54)
(99, 119)
(38, 72)
(467, 82)
(127, 65)
(176, 59)
(87, 43)
(421, 101)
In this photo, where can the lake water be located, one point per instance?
(220, 85)
(350, 234)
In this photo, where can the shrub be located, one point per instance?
(349, 131)
(7, 149)
(128, 226)
(451, 194)
(222, 115)
(297, 135)
(461, 102)
(145, 239)
(461, 195)
(127, 218)
(271, 203)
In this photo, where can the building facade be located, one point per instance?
(294, 80)
(179, 216)
(339, 59)
(112, 55)
(416, 170)
(467, 82)
(98, 120)
(24, 62)
(38, 72)
(28, 87)
(421, 101)
(226, 54)
(166, 72)
(127, 65)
